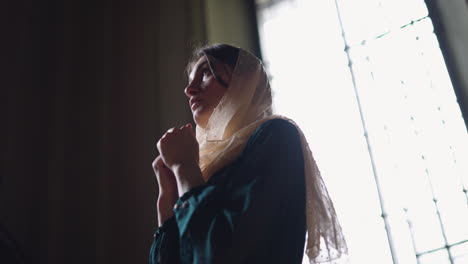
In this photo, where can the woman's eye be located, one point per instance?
(206, 72)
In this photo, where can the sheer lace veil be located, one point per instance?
(246, 104)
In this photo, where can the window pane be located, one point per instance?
(417, 131)
(367, 19)
(414, 125)
(438, 257)
(454, 216)
(460, 253)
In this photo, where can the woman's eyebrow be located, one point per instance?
(202, 65)
(196, 69)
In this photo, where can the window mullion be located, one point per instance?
(384, 213)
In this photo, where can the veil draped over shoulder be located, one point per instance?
(246, 104)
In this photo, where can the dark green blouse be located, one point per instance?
(252, 211)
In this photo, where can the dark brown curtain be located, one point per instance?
(83, 101)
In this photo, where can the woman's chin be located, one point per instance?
(200, 120)
(201, 117)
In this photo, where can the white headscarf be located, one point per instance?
(246, 104)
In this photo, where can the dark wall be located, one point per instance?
(82, 98)
(87, 89)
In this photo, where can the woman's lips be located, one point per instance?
(196, 104)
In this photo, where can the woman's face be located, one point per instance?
(204, 90)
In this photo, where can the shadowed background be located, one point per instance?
(91, 86)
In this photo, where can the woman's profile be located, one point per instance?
(242, 187)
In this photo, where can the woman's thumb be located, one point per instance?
(190, 127)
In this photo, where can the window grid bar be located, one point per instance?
(463, 183)
(466, 194)
(442, 228)
(441, 248)
(434, 200)
(411, 23)
(384, 214)
(410, 227)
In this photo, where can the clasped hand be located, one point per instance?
(176, 168)
(178, 147)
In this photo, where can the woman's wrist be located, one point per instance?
(188, 176)
(165, 206)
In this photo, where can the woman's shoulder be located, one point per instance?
(273, 130)
(277, 123)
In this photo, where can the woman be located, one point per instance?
(244, 188)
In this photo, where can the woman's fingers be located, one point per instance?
(188, 125)
(167, 184)
(185, 126)
(174, 130)
(178, 146)
(191, 129)
(158, 163)
(170, 132)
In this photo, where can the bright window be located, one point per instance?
(382, 119)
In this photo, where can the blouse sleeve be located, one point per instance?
(262, 201)
(165, 247)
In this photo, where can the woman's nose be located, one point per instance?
(191, 89)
